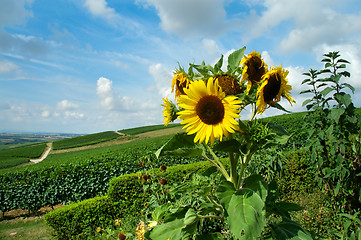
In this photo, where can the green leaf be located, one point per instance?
(225, 192)
(279, 129)
(326, 91)
(343, 98)
(228, 146)
(289, 230)
(306, 102)
(160, 211)
(279, 107)
(234, 59)
(180, 145)
(349, 86)
(257, 184)
(246, 214)
(336, 113)
(171, 230)
(219, 64)
(210, 236)
(191, 217)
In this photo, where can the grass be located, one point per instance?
(138, 130)
(33, 228)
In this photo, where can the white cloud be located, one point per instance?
(77, 115)
(45, 114)
(101, 9)
(162, 78)
(66, 105)
(7, 66)
(110, 100)
(189, 18)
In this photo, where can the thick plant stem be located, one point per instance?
(233, 163)
(244, 164)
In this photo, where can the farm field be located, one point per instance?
(84, 172)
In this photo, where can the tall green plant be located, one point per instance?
(209, 100)
(334, 130)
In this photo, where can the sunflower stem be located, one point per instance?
(254, 111)
(218, 163)
(244, 164)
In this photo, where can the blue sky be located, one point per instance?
(85, 66)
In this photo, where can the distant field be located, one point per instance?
(138, 130)
(84, 140)
(15, 156)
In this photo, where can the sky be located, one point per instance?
(87, 66)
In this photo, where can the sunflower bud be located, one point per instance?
(121, 236)
(163, 181)
(163, 167)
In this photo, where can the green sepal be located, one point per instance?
(180, 145)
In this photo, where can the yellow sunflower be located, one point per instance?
(274, 85)
(229, 84)
(169, 112)
(179, 82)
(253, 69)
(208, 111)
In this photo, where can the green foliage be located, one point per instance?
(334, 130)
(15, 156)
(80, 220)
(84, 140)
(138, 130)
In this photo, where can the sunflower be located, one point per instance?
(180, 82)
(253, 69)
(229, 84)
(169, 112)
(208, 111)
(274, 84)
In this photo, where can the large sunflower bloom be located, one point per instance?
(253, 69)
(169, 112)
(208, 113)
(274, 85)
(229, 84)
(179, 82)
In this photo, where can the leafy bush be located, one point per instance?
(125, 198)
(84, 140)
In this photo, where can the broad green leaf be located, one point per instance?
(279, 129)
(175, 229)
(234, 59)
(224, 192)
(336, 113)
(219, 64)
(228, 146)
(191, 217)
(344, 99)
(160, 211)
(306, 81)
(246, 214)
(289, 230)
(257, 184)
(180, 145)
(326, 91)
(349, 86)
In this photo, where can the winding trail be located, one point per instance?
(44, 155)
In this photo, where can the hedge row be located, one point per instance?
(125, 198)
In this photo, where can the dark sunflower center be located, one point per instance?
(229, 85)
(255, 69)
(210, 109)
(272, 88)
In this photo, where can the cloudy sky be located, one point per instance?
(85, 66)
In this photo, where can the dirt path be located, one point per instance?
(44, 155)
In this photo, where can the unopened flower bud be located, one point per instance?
(163, 167)
(121, 236)
(163, 181)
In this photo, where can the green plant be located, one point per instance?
(334, 132)
(209, 101)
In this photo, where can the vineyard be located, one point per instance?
(71, 177)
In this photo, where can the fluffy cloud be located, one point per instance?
(188, 18)
(162, 78)
(109, 99)
(100, 8)
(66, 105)
(14, 12)
(318, 23)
